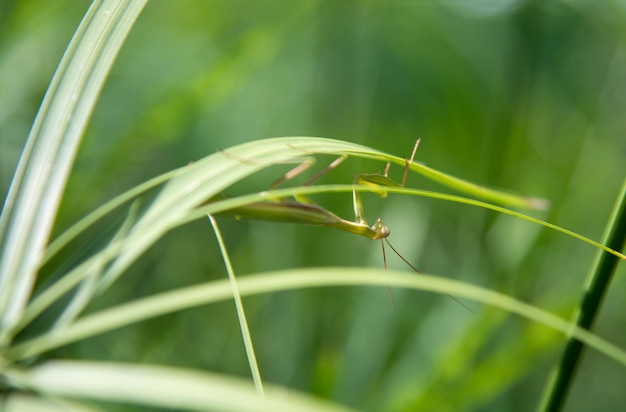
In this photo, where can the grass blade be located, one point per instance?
(307, 190)
(185, 190)
(36, 189)
(210, 292)
(164, 387)
(241, 314)
(597, 286)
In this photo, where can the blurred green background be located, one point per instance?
(523, 95)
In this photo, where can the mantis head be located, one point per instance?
(381, 230)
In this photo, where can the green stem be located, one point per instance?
(241, 314)
(597, 285)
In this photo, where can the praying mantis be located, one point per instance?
(303, 210)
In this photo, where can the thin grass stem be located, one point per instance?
(241, 315)
(598, 283)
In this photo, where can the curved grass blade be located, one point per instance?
(73, 231)
(43, 169)
(218, 206)
(210, 292)
(185, 190)
(159, 386)
(298, 147)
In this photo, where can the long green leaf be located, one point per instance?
(160, 386)
(227, 204)
(169, 302)
(597, 286)
(35, 192)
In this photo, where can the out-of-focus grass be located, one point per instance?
(527, 98)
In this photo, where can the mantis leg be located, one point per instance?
(304, 166)
(378, 183)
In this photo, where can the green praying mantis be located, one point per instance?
(303, 210)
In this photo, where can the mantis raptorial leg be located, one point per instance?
(303, 210)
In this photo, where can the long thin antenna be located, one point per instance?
(382, 245)
(416, 270)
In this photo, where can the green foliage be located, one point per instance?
(523, 95)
